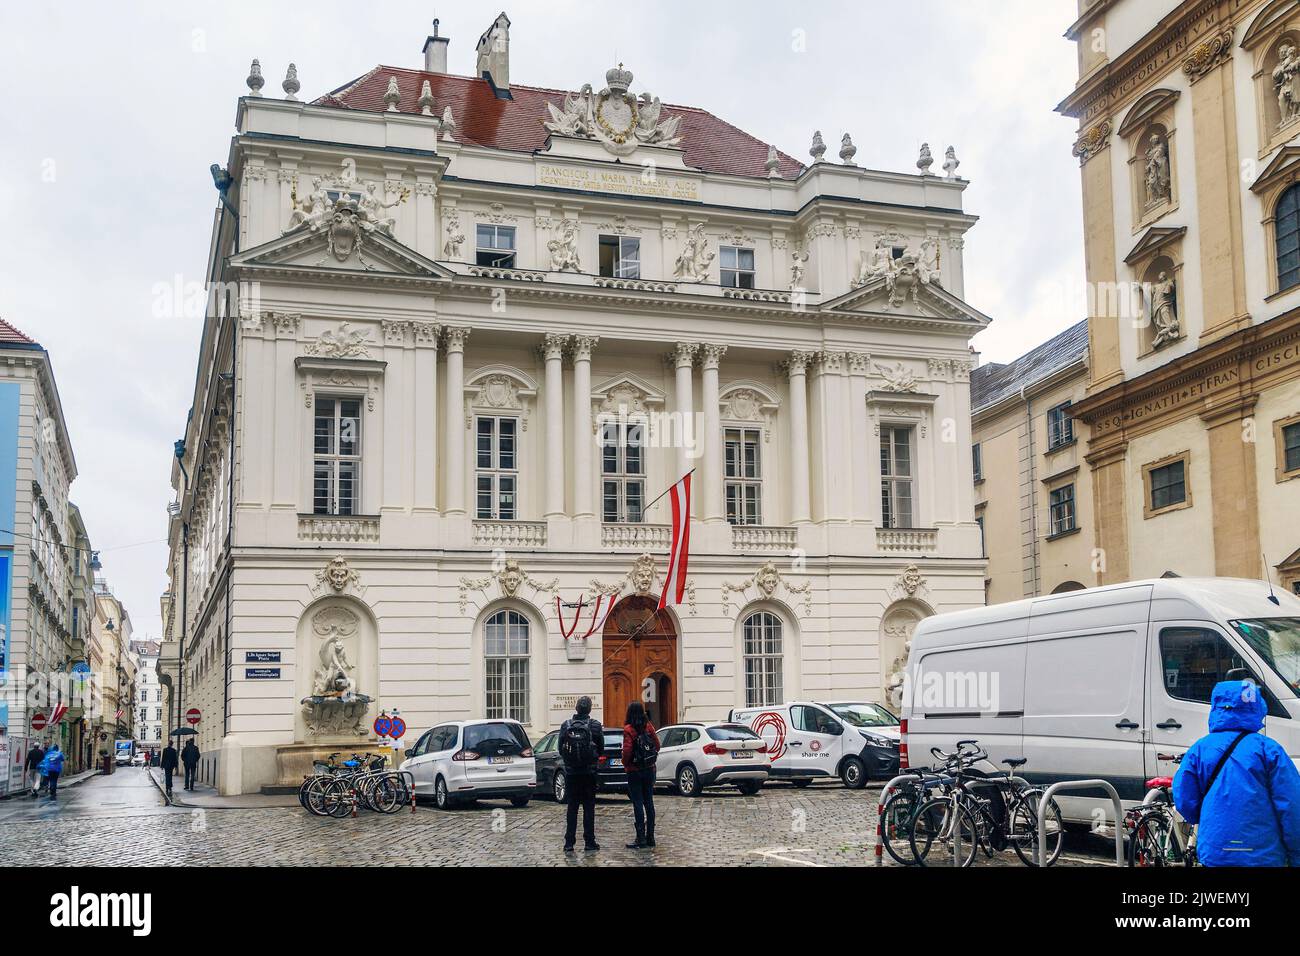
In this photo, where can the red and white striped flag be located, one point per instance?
(118, 715)
(59, 712)
(674, 591)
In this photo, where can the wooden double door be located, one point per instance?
(641, 667)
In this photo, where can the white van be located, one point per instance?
(807, 740)
(1100, 682)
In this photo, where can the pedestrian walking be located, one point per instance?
(51, 767)
(190, 758)
(168, 765)
(640, 751)
(32, 766)
(581, 740)
(1239, 786)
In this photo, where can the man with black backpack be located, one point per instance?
(581, 741)
(1240, 786)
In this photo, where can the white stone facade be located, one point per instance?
(325, 305)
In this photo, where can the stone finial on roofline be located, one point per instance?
(291, 85)
(255, 80)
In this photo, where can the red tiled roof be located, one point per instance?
(709, 143)
(11, 336)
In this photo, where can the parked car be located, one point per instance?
(1106, 682)
(551, 779)
(139, 760)
(866, 715)
(693, 757)
(807, 741)
(466, 760)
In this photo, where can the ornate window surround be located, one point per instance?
(748, 404)
(539, 642)
(791, 645)
(503, 391)
(1282, 172)
(1153, 111)
(1280, 472)
(341, 378)
(913, 410)
(1186, 458)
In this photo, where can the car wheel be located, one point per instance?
(801, 783)
(520, 802)
(853, 773)
(440, 795)
(750, 787)
(688, 781)
(559, 786)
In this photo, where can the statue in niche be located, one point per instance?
(696, 256)
(1157, 170)
(1285, 83)
(1164, 310)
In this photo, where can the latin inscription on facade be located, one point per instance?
(625, 182)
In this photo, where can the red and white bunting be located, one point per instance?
(58, 714)
(675, 583)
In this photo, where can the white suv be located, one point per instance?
(695, 756)
(466, 760)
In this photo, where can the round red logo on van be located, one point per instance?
(770, 720)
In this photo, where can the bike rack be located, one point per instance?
(1040, 848)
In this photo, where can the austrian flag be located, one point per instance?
(675, 583)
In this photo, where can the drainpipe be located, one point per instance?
(185, 587)
(1033, 490)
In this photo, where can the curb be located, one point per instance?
(81, 778)
(170, 800)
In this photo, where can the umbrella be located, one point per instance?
(183, 732)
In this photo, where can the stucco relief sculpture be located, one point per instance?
(904, 272)
(346, 209)
(798, 267)
(898, 378)
(1164, 311)
(1286, 83)
(337, 577)
(695, 258)
(614, 117)
(564, 247)
(455, 235)
(1157, 170)
(765, 582)
(343, 342)
(335, 707)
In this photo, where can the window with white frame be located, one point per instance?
(495, 246)
(1061, 506)
(744, 475)
(505, 650)
(620, 257)
(896, 477)
(762, 640)
(736, 267)
(497, 467)
(336, 479)
(1060, 426)
(977, 461)
(622, 470)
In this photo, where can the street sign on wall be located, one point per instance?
(192, 716)
(39, 721)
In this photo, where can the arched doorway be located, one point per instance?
(640, 661)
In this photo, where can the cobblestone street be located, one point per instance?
(121, 820)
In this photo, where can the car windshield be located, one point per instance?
(508, 737)
(731, 732)
(865, 715)
(1277, 641)
(614, 738)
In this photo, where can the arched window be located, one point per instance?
(505, 647)
(764, 663)
(1287, 233)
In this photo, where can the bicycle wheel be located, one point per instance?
(338, 797)
(1023, 827)
(314, 796)
(1150, 841)
(933, 829)
(896, 827)
(384, 795)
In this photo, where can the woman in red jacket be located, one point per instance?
(640, 748)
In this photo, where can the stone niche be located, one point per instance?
(337, 677)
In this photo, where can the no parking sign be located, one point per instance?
(390, 726)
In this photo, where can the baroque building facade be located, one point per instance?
(1189, 146)
(463, 332)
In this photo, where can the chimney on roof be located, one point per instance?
(435, 52)
(493, 56)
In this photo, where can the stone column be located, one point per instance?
(682, 358)
(454, 451)
(710, 475)
(796, 367)
(553, 352)
(583, 439)
(1109, 505)
(425, 415)
(1234, 501)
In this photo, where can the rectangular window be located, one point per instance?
(983, 550)
(620, 257)
(1286, 434)
(1167, 485)
(736, 267)
(763, 660)
(977, 461)
(896, 477)
(495, 246)
(496, 476)
(1194, 660)
(744, 476)
(1061, 504)
(1060, 426)
(622, 469)
(336, 477)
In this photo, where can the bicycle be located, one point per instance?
(963, 818)
(1156, 836)
(336, 790)
(899, 810)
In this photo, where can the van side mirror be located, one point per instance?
(409, 752)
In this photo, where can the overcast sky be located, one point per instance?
(114, 112)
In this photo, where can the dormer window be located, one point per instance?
(737, 268)
(495, 246)
(620, 257)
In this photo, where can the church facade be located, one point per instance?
(463, 332)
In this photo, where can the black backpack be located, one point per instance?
(577, 749)
(644, 749)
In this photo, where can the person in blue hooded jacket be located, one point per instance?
(1250, 814)
(51, 767)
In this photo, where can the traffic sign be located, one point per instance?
(397, 729)
(383, 725)
(38, 721)
(192, 716)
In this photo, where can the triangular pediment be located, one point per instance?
(309, 251)
(1155, 238)
(1283, 166)
(918, 302)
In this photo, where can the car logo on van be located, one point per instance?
(814, 745)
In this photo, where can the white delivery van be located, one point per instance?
(807, 740)
(1100, 682)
